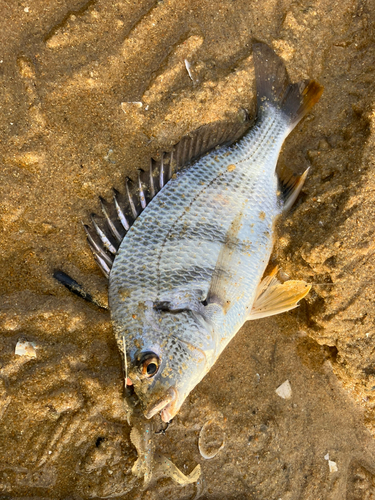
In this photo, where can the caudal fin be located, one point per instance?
(274, 89)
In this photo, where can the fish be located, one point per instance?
(186, 247)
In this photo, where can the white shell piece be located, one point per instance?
(126, 106)
(211, 437)
(284, 390)
(332, 466)
(187, 66)
(25, 348)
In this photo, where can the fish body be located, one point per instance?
(170, 254)
(188, 273)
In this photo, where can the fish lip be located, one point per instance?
(162, 403)
(168, 412)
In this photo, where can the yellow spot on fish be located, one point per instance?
(124, 294)
(262, 215)
(134, 316)
(231, 167)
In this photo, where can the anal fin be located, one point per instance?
(274, 297)
(290, 188)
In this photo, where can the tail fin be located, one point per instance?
(274, 89)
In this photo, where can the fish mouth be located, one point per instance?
(165, 404)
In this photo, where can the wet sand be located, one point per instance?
(72, 74)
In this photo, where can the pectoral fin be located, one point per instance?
(274, 297)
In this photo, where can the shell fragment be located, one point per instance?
(25, 348)
(284, 390)
(212, 437)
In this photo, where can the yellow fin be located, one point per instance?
(274, 297)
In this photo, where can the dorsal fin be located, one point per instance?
(207, 137)
(118, 216)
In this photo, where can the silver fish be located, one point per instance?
(185, 260)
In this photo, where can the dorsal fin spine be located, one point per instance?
(95, 247)
(120, 213)
(104, 239)
(170, 167)
(130, 198)
(151, 172)
(142, 196)
(161, 175)
(103, 265)
(111, 225)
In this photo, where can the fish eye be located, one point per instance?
(149, 364)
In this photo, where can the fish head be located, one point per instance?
(171, 359)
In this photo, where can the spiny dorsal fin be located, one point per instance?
(119, 215)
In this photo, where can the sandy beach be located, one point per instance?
(89, 92)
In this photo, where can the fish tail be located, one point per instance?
(274, 90)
